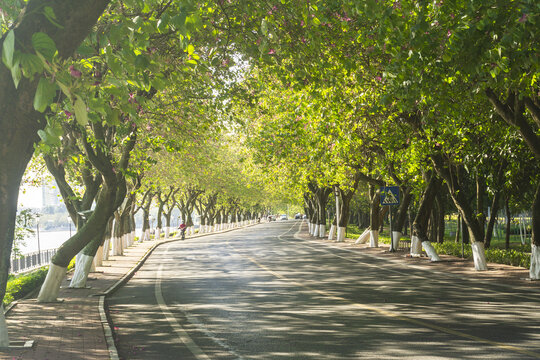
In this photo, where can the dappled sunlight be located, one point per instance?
(256, 297)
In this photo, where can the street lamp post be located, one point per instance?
(38, 243)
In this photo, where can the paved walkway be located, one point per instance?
(73, 329)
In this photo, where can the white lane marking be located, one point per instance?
(180, 331)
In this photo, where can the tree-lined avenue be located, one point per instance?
(266, 293)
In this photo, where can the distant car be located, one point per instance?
(298, 216)
(283, 217)
(271, 218)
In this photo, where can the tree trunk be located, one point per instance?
(419, 234)
(375, 221)
(440, 216)
(534, 271)
(457, 192)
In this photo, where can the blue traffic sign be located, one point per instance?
(389, 195)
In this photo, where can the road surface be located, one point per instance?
(264, 293)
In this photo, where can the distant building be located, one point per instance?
(50, 196)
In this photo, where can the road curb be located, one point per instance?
(105, 320)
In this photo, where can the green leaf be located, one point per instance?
(45, 93)
(8, 49)
(113, 117)
(16, 74)
(190, 49)
(31, 64)
(264, 27)
(44, 45)
(141, 62)
(43, 135)
(49, 14)
(64, 89)
(80, 111)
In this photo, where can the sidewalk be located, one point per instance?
(71, 329)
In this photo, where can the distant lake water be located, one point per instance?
(49, 240)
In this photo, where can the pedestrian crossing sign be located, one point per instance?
(389, 195)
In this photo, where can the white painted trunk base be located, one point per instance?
(534, 271)
(51, 286)
(83, 263)
(341, 234)
(147, 235)
(93, 265)
(332, 232)
(309, 227)
(167, 232)
(430, 251)
(158, 234)
(4, 337)
(98, 259)
(363, 238)
(396, 236)
(373, 238)
(116, 246)
(416, 247)
(479, 256)
(322, 230)
(106, 249)
(316, 230)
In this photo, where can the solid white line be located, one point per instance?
(180, 331)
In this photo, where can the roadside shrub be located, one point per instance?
(20, 286)
(500, 256)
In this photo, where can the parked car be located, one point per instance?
(298, 216)
(283, 217)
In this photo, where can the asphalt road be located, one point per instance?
(264, 293)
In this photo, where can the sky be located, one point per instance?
(30, 197)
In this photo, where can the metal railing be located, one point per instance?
(31, 261)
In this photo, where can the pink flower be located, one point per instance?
(378, 78)
(301, 22)
(271, 52)
(523, 18)
(74, 72)
(68, 114)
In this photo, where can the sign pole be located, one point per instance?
(390, 196)
(391, 233)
